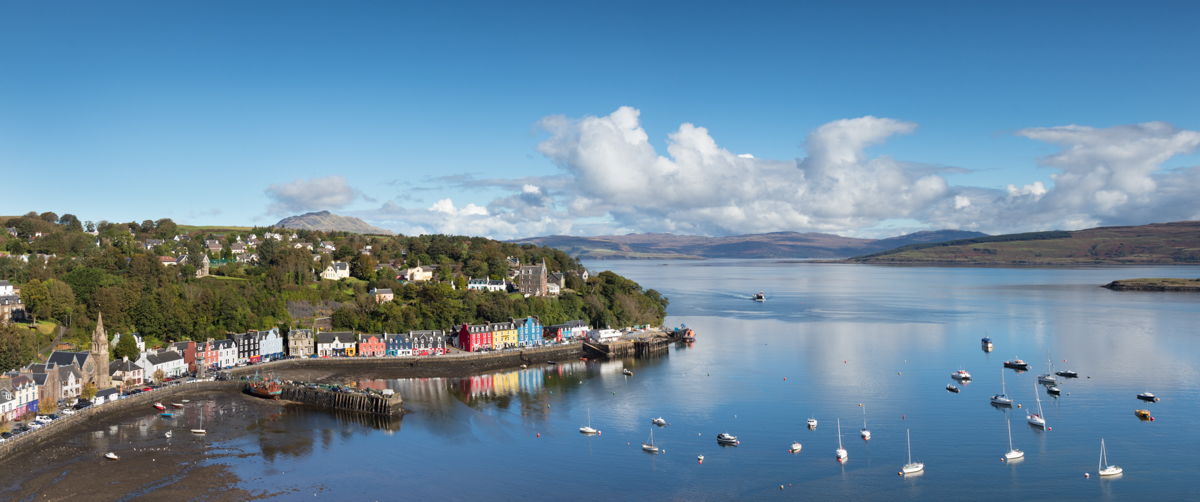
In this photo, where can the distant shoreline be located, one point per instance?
(1156, 284)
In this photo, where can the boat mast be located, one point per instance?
(839, 434)
(909, 434)
(1100, 466)
(1009, 422)
(1003, 385)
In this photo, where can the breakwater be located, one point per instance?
(144, 400)
(347, 401)
(452, 365)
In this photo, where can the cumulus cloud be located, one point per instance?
(330, 192)
(614, 180)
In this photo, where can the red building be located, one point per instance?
(475, 337)
(188, 349)
(371, 346)
(206, 353)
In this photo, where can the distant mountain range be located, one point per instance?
(772, 245)
(1157, 243)
(327, 221)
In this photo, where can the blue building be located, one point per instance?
(529, 331)
(397, 345)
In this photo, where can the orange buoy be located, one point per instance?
(844, 362)
(1018, 406)
(785, 379)
(901, 416)
(539, 434)
(1049, 428)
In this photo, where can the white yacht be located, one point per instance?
(659, 421)
(1106, 470)
(866, 434)
(841, 452)
(911, 466)
(1037, 418)
(111, 456)
(795, 447)
(727, 439)
(1049, 376)
(812, 423)
(650, 446)
(588, 429)
(961, 375)
(1002, 398)
(1012, 453)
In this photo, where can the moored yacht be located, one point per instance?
(866, 434)
(841, 452)
(650, 446)
(1048, 377)
(1037, 418)
(795, 448)
(961, 375)
(986, 342)
(1067, 374)
(1012, 453)
(659, 421)
(1016, 364)
(726, 438)
(1147, 396)
(1107, 470)
(1002, 398)
(950, 387)
(812, 423)
(588, 429)
(911, 466)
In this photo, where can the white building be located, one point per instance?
(270, 344)
(338, 270)
(169, 361)
(227, 353)
(603, 335)
(335, 344)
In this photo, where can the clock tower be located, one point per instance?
(100, 354)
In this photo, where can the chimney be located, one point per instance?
(125, 358)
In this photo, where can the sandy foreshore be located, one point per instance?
(70, 466)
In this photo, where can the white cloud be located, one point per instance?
(614, 180)
(330, 192)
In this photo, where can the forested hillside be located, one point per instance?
(68, 276)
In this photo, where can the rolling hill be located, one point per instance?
(771, 245)
(327, 221)
(1158, 243)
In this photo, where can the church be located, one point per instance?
(93, 364)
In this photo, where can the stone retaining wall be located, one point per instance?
(146, 399)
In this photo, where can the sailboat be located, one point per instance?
(1049, 376)
(911, 466)
(866, 434)
(1037, 418)
(1002, 399)
(841, 452)
(650, 446)
(1106, 470)
(588, 429)
(201, 429)
(1013, 453)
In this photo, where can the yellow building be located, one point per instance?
(504, 335)
(350, 350)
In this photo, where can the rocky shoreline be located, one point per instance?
(1160, 284)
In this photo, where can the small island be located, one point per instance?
(1155, 284)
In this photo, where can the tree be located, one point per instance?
(165, 228)
(35, 296)
(71, 223)
(126, 347)
(89, 391)
(47, 407)
(159, 376)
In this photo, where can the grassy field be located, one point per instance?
(1164, 243)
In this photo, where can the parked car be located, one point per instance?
(147, 389)
(6, 435)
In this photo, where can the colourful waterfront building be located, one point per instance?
(427, 342)
(371, 346)
(529, 331)
(504, 335)
(397, 345)
(475, 337)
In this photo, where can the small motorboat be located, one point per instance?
(177, 405)
(1142, 414)
(960, 375)
(160, 406)
(185, 401)
(1016, 364)
(627, 372)
(1067, 374)
(659, 421)
(795, 448)
(1147, 396)
(551, 362)
(950, 387)
(812, 423)
(727, 439)
(1106, 470)
(700, 458)
(760, 297)
(167, 414)
(167, 435)
(650, 446)
(111, 456)
(1053, 389)
(987, 343)
(199, 431)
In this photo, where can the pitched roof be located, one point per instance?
(70, 369)
(63, 358)
(106, 392)
(342, 336)
(122, 366)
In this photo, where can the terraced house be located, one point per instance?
(371, 346)
(475, 337)
(427, 342)
(397, 344)
(247, 347)
(300, 343)
(504, 335)
(336, 344)
(270, 344)
(529, 331)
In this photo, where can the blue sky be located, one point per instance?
(585, 118)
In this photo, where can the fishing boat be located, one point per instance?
(795, 448)
(1142, 414)
(588, 429)
(159, 406)
(1106, 470)
(986, 342)
(1147, 396)
(177, 405)
(650, 446)
(950, 387)
(266, 389)
(841, 452)
(961, 375)
(627, 372)
(911, 466)
(1049, 377)
(1012, 453)
(1002, 398)
(812, 423)
(866, 434)
(760, 297)
(1016, 364)
(659, 421)
(111, 456)
(726, 438)
(1037, 418)
(1067, 374)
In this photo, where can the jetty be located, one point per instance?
(346, 400)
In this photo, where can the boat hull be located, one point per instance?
(1001, 401)
(1111, 471)
(1014, 454)
(912, 468)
